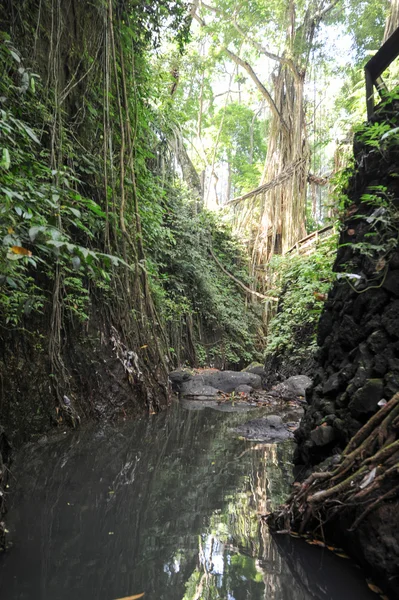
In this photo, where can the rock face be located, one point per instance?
(210, 382)
(266, 429)
(357, 365)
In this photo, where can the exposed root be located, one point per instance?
(367, 474)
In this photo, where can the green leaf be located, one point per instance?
(15, 55)
(34, 231)
(31, 134)
(11, 283)
(5, 162)
(75, 212)
(56, 243)
(76, 262)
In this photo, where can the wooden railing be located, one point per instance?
(375, 68)
(308, 244)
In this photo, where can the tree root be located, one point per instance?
(366, 475)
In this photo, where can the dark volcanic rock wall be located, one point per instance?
(357, 364)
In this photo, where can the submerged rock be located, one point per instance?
(266, 429)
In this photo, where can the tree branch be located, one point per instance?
(281, 59)
(254, 43)
(317, 17)
(199, 20)
(245, 65)
(240, 283)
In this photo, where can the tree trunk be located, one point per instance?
(189, 172)
(282, 208)
(228, 192)
(392, 20)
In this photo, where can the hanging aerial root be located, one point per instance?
(366, 477)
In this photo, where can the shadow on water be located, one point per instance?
(167, 506)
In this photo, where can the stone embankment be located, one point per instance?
(356, 374)
(357, 365)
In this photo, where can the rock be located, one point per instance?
(211, 382)
(380, 365)
(377, 299)
(349, 334)
(177, 377)
(258, 370)
(255, 367)
(328, 407)
(378, 341)
(391, 384)
(391, 282)
(365, 399)
(267, 429)
(325, 327)
(194, 387)
(332, 385)
(390, 318)
(293, 387)
(394, 262)
(323, 435)
(243, 389)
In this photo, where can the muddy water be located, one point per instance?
(167, 507)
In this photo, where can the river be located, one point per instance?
(167, 506)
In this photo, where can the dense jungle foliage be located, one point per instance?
(303, 284)
(94, 217)
(122, 125)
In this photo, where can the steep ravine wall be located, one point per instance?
(357, 365)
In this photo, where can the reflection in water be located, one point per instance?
(167, 506)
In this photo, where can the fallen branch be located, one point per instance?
(281, 178)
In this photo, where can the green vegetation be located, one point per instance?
(303, 283)
(93, 215)
(117, 137)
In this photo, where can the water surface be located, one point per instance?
(166, 506)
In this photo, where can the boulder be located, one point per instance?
(243, 389)
(256, 369)
(267, 429)
(323, 435)
(208, 383)
(178, 376)
(365, 400)
(293, 387)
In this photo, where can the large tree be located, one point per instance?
(279, 38)
(392, 22)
